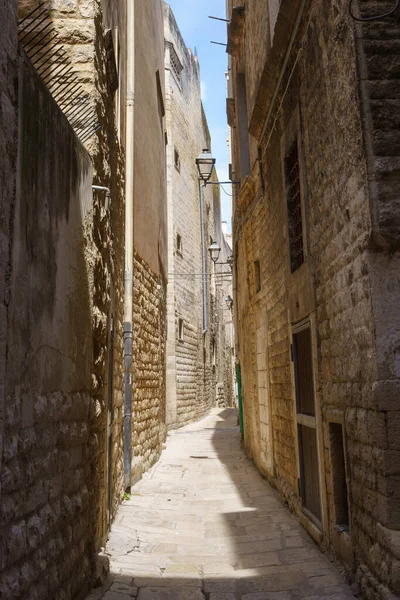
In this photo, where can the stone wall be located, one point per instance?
(65, 379)
(150, 207)
(378, 63)
(8, 152)
(94, 35)
(47, 478)
(81, 32)
(194, 366)
(149, 336)
(336, 96)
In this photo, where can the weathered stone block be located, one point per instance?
(393, 429)
(387, 394)
(64, 6)
(9, 584)
(86, 8)
(75, 31)
(15, 544)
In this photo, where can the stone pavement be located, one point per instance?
(203, 524)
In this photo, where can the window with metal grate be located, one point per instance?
(176, 65)
(295, 224)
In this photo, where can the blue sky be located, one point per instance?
(198, 31)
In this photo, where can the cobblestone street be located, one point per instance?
(202, 523)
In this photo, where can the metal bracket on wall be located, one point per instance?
(102, 188)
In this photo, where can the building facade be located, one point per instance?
(83, 282)
(313, 113)
(196, 349)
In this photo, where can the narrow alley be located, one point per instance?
(199, 217)
(203, 523)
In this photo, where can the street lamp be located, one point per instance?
(214, 251)
(205, 164)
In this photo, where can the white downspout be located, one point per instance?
(129, 188)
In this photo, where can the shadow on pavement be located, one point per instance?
(203, 523)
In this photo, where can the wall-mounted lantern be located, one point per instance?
(214, 251)
(205, 164)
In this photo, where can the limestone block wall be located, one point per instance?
(74, 319)
(81, 30)
(84, 28)
(48, 485)
(378, 63)
(149, 336)
(341, 110)
(150, 240)
(191, 376)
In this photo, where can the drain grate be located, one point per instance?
(203, 457)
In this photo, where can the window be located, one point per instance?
(295, 223)
(181, 329)
(177, 160)
(179, 244)
(257, 276)
(339, 481)
(176, 66)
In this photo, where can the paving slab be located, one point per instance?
(203, 524)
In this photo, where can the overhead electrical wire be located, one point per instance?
(224, 190)
(373, 17)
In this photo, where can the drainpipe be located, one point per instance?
(204, 259)
(129, 187)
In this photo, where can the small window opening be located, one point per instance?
(214, 355)
(181, 328)
(339, 476)
(257, 276)
(295, 224)
(176, 66)
(261, 168)
(177, 160)
(179, 243)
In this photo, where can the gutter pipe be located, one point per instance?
(129, 188)
(204, 259)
